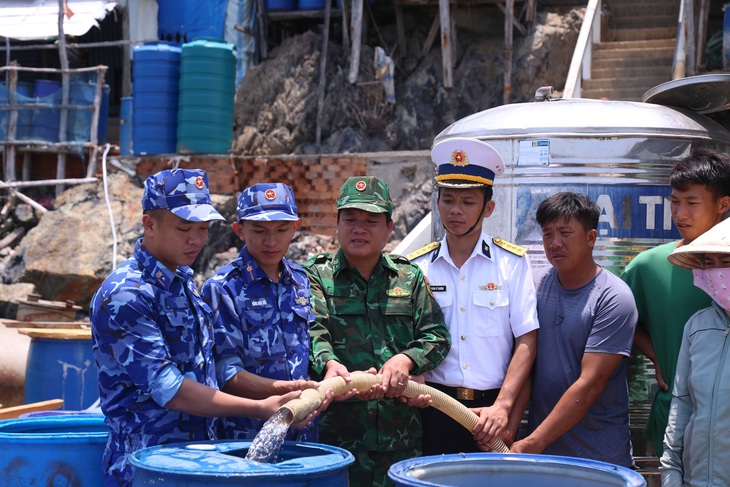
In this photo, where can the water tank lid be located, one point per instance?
(158, 46)
(299, 459)
(546, 466)
(209, 42)
(705, 93)
(586, 118)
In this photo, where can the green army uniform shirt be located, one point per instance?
(363, 324)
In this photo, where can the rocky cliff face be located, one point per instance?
(276, 105)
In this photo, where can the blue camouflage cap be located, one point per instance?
(267, 202)
(182, 191)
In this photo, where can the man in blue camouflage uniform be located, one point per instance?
(261, 310)
(152, 335)
(372, 310)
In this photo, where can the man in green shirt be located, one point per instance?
(665, 295)
(372, 310)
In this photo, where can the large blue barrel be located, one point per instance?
(155, 89)
(498, 469)
(61, 366)
(45, 120)
(224, 463)
(53, 451)
(125, 126)
(207, 89)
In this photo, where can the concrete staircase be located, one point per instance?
(636, 49)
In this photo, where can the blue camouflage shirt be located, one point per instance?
(262, 327)
(150, 329)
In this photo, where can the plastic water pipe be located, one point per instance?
(311, 399)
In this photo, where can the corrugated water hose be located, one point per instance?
(312, 398)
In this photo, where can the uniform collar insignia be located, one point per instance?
(485, 249)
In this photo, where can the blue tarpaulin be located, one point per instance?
(181, 21)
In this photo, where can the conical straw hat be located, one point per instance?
(716, 240)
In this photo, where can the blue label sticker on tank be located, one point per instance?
(627, 211)
(534, 153)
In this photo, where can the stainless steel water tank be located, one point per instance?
(619, 153)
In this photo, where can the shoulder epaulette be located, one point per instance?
(510, 247)
(316, 259)
(423, 250)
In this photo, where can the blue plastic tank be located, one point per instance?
(125, 126)
(502, 469)
(53, 451)
(155, 90)
(312, 4)
(46, 120)
(219, 463)
(281, 4)
(207, 89)
(61, 365)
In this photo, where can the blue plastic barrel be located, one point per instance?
(45, 120)
(61, 366)
(499, 469)
(224, 463)
(312, 4)
(53, 451)
(207, 89)
(155, 89)
(281, 4)
(125, 126)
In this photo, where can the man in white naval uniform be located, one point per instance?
(485, 288)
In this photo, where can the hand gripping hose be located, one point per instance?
(311, 399)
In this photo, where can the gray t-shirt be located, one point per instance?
(599, 317)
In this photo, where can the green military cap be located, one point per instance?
(365, 193)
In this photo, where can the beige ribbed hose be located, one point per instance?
(311, 399)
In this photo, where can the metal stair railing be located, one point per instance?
(580, 64)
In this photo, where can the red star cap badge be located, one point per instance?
(270, 194)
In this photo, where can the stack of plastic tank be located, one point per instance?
(156, 78)
(207, 89)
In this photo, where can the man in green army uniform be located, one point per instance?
(372, 310)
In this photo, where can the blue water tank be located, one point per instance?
(207, 90)
(155, 89)
(218, 463)
(524, 470)
(58, 450)
(312, 4)
(125, 126)
(61, 365)
(45, 120)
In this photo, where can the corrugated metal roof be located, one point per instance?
(38, 19)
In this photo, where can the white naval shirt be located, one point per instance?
(486, 304)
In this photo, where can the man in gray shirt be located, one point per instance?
(580, 404)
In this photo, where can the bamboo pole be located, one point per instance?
(12, 126)
(65, 86)
(447, 63)
(356, 37)
(508, 19)
(323, 71)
